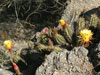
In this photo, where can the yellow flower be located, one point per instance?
(86, 35)
(8, 44)
(62, 22)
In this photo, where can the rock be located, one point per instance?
(76, 7)
(98, 51)
(16, 31)
(5, 72)
(95, 56)
(20, 44)
(98, 73)
(73, 62)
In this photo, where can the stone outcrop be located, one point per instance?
(74, 62)
(76, 7)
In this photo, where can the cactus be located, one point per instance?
(44, 39)
(68, 34)
(50, 32)
(50, 43)
(46, 34)
(58, 38)
(67, 30)
(44, 31)
(93, 21)
(57, 49)
(30, 44)
(42, 47)
(80, 23)
(47, 31)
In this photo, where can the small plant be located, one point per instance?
(14, 57)
(9, 45)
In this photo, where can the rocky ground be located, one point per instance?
(76, 61)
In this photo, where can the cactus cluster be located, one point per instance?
(64, 32)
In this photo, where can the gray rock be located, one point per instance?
(16, 31)
(74, 62)
(5, 72)
(98, 73)
(95, 56)
(76, 7)
(98, 51)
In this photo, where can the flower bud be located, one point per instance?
(16, 68)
